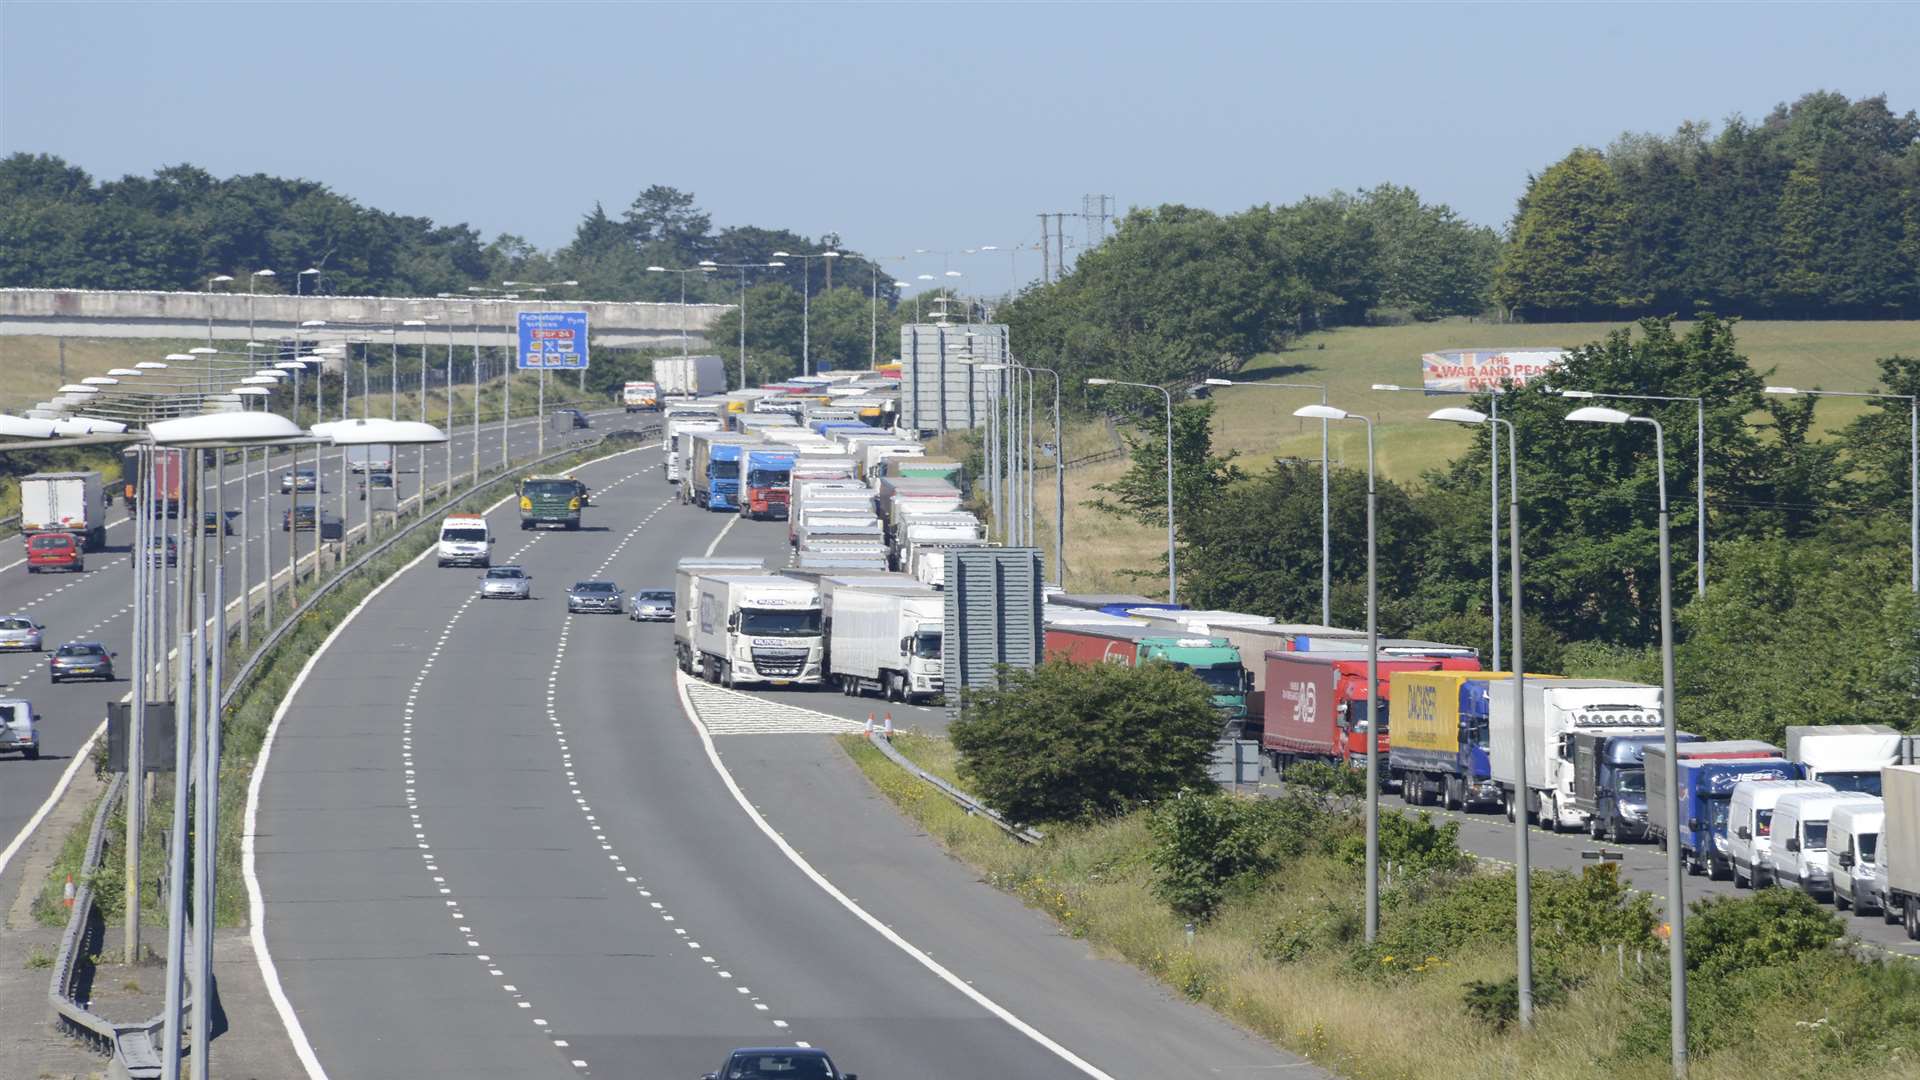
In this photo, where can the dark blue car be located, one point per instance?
(779, 1063)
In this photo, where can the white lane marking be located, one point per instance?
(256, 899)
(726, 777)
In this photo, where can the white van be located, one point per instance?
(1750, 813)
(1800, 840)
(465, 540)
(1853, 837)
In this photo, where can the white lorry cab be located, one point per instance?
(686, 600)
(1555, 710)
(1750, 809)
(758, 629)
(1800, 840)
(465, 540)
(1846, 757)
(1853, 865)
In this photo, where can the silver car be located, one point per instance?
(651, 605)
(603, 596)
(509, 582)
(19, 633)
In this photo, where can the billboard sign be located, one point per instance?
(1479, 371)
(553, 339)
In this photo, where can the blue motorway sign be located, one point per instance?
(553, 339)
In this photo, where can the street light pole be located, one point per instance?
(1522, 855)
(1699, 470)
(1676, 871)
(1326, 503)
(1173, 589)
(1328, 412)
(806, 302)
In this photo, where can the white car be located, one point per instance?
(20, 633)
(19, 731)
(506, 582)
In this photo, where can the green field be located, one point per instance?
(1259, 422)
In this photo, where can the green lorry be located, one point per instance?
(551, 500)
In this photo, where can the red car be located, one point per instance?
(54, 551)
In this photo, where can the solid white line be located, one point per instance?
(80, 757)
(681, 682)
(256, 899)
(724, 530)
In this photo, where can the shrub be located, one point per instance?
(1497, 1004)
(1334, 923)
(1412, 842)
(1321, 778)
(1066, 742)
(1774, 926)
(1205, 844)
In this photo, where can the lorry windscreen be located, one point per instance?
(723, 470)
(1763, 823)
(550, 489)
(1357, 715)
(466, 536)
(1866, 842)
(1222, 679)
(1866, 783)
(777, 623)
(926, 644)
(1813, 836)
(1480, 733)
(768, 477)
(1719, 809)
(1631, 784)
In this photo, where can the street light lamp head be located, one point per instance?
(707, 263)
(989, 247)
(829, 255)
(1388, 386)
(203, 351)
(656, 269)
(122, 371)
(1099, 382)
(263, 273)
(150, 365)
(1583, 394)
(568, 282)
(953, 273)
(221, 277)
(309, 270)
(781, 255)
(1320, 412)
(1459, 416)
(1787, 390)
(1219, 382)
(178, 356)
(1596, 414)
(314, 322)
(776, 263)
(903, 284)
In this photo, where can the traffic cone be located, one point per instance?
(869, 725)
(889, 729)
(67, 892)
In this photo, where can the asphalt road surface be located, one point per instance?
(491, 843)
(97, 604)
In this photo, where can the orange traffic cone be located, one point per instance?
(67, 892)
(889, 728)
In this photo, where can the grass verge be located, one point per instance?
(1282, 957)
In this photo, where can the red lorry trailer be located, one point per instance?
(1315, 703)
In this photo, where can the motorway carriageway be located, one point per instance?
(97, 605)
(490, 842)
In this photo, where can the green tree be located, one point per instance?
(1566, 258)
(1068, 742)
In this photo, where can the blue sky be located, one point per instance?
(903, 126)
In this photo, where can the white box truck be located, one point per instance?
(68, 502)
(887, 642)
(689, 376)
(1845, 757)
(1900, 844)
(686, 584)
(680, 431)
(921, 532)
(758, 629)
(1555, 709)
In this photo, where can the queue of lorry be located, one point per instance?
(868, 514)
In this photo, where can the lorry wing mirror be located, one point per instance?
(1793, 843)
(1693, 824)
(1846, 859)
(1746, 833)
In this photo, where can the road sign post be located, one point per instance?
(551, 340)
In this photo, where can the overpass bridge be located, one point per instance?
(237, 317)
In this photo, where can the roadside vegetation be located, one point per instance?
(1271, 890)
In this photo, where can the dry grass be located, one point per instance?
(1096, 883)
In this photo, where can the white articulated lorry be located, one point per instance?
(886, 641)
(1555, 710)
(758, 629)
(1900, 845)
(68, 502)
(679, 433)
(686, 584)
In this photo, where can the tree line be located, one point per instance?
(1807, 615)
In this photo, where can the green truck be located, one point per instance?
(551, 500)
(1214, 660)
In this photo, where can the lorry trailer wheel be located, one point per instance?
(1911, 912)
